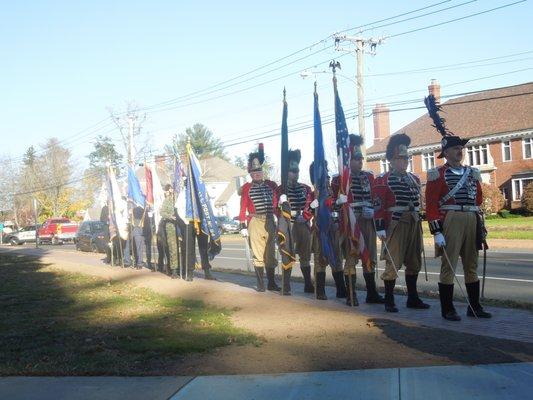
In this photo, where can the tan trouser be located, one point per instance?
(460, 235)
(262, 231)
(321, 262)
(369, 234)
(301, 236)
(404, 242)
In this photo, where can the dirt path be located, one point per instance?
(300, 334)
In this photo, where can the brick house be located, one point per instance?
(499, 123)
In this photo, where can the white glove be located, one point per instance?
(342, 199)
(314, 204)
(382, 235)
(439, 239)
(244, 232)
(282, 199)
(368, 213)
(150, 214)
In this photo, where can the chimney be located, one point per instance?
(381, 122)
(434, 89)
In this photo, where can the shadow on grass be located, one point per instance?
(56, 323)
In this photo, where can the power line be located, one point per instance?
(455, 19)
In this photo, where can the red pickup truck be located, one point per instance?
(57, 230)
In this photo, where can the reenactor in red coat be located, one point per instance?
(396, 196)
(453, 199)
(299, 196)
(362, 205)
(257, 220)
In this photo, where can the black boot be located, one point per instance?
(308, 283)
(321, 286)
(286, 282)
(260, 274)
(372, 295)
(413, 301)
(447, 309)
(174, 274)
(389, 296)
(208, 276)
(473, 297)
(272, 285)
(354, 294)
(338, 277)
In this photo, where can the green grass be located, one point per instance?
(58, 323)
(503, 228)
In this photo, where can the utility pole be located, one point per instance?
(360, 44)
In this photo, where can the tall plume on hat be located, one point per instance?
(356, 140)
(295, 155)
(438, 122)
(259, 155)
(395, 141)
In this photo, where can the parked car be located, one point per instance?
(23, 235)
(228, 225)
(57, 230)
(92, 236)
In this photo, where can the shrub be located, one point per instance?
(527, 199)
(493, 200)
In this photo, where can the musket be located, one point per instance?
(485, 247)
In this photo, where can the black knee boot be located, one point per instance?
(389, 296)
(372, 295)
(473, 297)
(259, 273)
(353, 297)
(286, 282)
(272, 285)
(338, 277)
(308, 283)
(447, 309)
(413, 301)
(321, 286)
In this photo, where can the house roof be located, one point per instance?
(502, 110)
(215, 169)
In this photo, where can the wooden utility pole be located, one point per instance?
(360, 44)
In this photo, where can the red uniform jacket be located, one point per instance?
(247, 205)
(437, 188)
(309, 197)
(383, 198)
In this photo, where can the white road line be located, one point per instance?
(429, 273)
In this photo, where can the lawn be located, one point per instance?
(58, 323)
(504, 228)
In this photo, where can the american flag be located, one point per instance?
(349, 225)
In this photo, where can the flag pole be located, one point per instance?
(334, 65)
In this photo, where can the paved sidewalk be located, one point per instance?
(492, 381)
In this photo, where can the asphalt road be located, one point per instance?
(509, 272)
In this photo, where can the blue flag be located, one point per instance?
(135, 193)
(323, 214)
(198, 206)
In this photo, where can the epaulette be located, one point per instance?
(382, 174)
(433, 174)
(476, 174)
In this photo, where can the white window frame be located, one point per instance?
(520, 181)
(384, 165)
(479, 150)
(410, 167)
(507, 143)
(426, 158)
(529, 143)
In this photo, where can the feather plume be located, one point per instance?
(439, 122)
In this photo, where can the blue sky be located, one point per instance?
(64, 63)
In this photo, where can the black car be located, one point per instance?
(92, 236)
